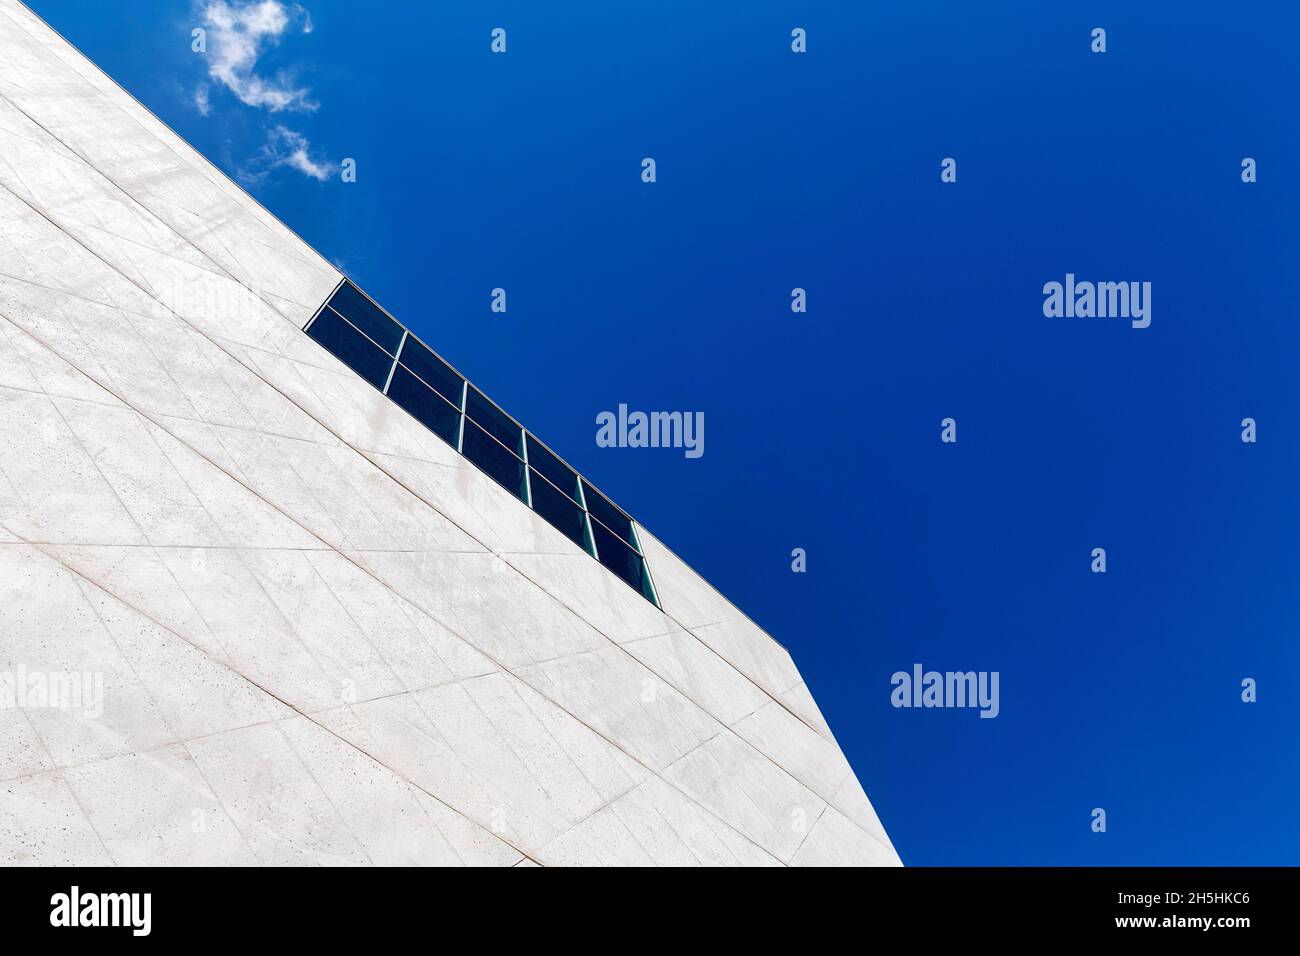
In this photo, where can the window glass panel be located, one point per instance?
(605, 510)
(622, 560)
(430, 390)
(356, 351)
(365, 315)
(483, 450)
(436, 373)
(493, 420)
(425, 404)
(559, 510)
(561, 475)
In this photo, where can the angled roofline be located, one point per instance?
(345, 277)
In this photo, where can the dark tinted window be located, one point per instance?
(560, 510)
(560, 474)
(622, 560)
(353, 348)
(365, 315)
(358, 332)
(486, 452)
(425, 404)
(436, 373)
(493, 420)
(604, 510)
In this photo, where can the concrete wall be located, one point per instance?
(323, 636)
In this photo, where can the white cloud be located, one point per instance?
(286, 147)
(237, 35)
(239, 32)
(298, 157)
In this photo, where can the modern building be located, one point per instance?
(281, 587)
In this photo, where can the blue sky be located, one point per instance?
(775, 170)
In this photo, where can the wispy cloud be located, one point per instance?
(238, 33)
(285, 147)
(291, 149)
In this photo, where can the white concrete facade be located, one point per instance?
(323, 636)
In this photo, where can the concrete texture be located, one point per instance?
(323, 637)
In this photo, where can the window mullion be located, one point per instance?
(393, 368)
(460, 437)
(528, 478)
